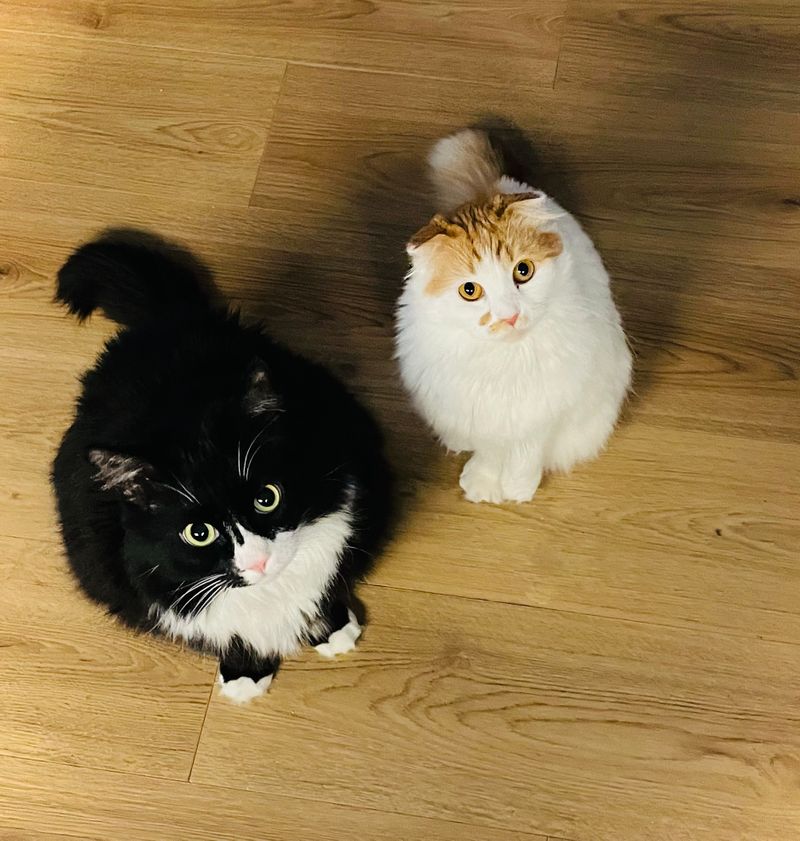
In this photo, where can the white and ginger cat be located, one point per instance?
(507, 335)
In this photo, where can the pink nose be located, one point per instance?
(513, 320)
(259, 565)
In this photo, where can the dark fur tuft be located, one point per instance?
(135, 279)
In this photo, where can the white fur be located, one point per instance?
(252, 551)
(537, 397)
(341, 641)
(272, 615)
(243, 689)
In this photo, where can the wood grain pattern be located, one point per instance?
(172, 120)
(46, 802)
(617, 660)
(515, 42)
(510, 717)
(356, 146)
(712, 50)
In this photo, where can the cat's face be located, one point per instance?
(488, 269)
(229, 513)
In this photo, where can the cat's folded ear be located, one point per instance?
(127, 476)
(436, 227)
(259, 396)
(532, 198)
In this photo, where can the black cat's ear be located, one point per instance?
(259, 395)
(126, 475)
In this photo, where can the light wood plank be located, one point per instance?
(709, 51)
(516, 44)
(159, 120)
(352, 145)
(40, 802)
(532, 720)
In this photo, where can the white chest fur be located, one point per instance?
(272, 617)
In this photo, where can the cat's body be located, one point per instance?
(192, 421)
(507, 335)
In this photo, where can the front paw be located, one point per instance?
(341, 641)
(521, 487)
(481, 482)
(242, 690)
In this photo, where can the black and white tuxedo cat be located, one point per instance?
(214, 487)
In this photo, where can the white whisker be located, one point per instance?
(194, 587)
(213, 592)
(177, 491)
(246, 466)
(250, 463)
(197, 598)
(188, 492)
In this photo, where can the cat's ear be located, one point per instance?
(436, 227)
(127, 476)
(259, 396)
(502, 201)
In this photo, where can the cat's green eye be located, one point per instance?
(267, 499)
(470, 291)
(523, 271)
(199, 534)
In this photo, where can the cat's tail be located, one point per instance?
(135, 279)
(464, 167)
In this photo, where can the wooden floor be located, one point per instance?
(617, 661)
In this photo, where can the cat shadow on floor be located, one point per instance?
(390, 205)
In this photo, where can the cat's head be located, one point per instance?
(487, 268)
(229, 509)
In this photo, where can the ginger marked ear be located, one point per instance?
(438, 225)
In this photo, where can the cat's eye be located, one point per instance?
(199, 534)
(523, 271)
(470, 291)
(267, 499)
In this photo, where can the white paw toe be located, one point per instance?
(341, 641)
(479, 485)
(243, 689)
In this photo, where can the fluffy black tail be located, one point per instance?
(135, 279)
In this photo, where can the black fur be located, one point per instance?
(171, 403)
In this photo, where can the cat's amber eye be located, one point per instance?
(470, 291)
(199, 535)
(267, 499)
(523, 271)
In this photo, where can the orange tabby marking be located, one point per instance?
(494, 227)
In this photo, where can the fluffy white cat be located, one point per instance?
(507, 335)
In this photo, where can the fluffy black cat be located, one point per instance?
(214, 487)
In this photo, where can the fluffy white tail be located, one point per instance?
(463, 168)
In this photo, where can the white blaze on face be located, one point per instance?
(258, 558)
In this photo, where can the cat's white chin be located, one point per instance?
(511, 334)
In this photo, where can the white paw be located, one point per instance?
(480, 482)
(341, 641)
(521, 488)
(243, 689)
